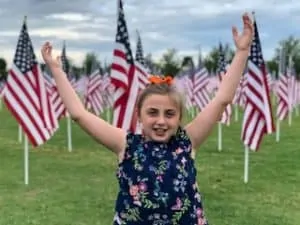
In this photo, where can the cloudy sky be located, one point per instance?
(187, 25)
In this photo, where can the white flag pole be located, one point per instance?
(26, 160)
(20, 133)
(236, 112)
(219, 136)
(69, 123)
(246, 165)
(108, 109)
(289, 93)
(290, 115)
(277, 130)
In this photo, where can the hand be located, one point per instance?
(47, 56)
(243, 41)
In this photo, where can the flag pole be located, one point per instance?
(236, 114)
(289, 93)
(280, 69)
(277, 130)
(26, 160)
(246, 165)
(219, 136)
(26, 146)
(69, 132)
(20, 133)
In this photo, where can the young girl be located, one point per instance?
(156, 171)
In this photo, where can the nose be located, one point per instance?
(161, 119)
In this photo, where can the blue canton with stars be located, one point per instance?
(24, 57)
(122, 36)
(221, 61)
(256, 55)
(139, 56)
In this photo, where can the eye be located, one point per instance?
(152, 112)
(170, 113)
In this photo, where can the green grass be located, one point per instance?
(80, 188)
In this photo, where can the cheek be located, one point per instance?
(146, 120)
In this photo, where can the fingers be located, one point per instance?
(247, 21)
(47, 47)
(246, 18)
(235, 32)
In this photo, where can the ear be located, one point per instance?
(136, 114)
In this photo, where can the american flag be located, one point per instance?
(26, 96)
(60, 108)
(239, 97)
(140, 65)
(139, 54)
(93, 98)
(2, 87)
(143, 78)
(188, 83)
(64, 60)
(292, 86)
(258, 119)
(200, 91)
(127, 78)
(221, 71)
(282, 90)
(108, 90)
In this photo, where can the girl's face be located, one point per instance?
(160, 117)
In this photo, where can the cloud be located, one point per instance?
(90, 25)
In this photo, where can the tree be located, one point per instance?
(154, 67)
(229, 52)
(211, 60)
(291, 45)
(3, 72)
(77, 71)
(90, 63)
(170, 63)
(272, 66)
(187, 62)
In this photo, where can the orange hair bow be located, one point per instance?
(154, 79)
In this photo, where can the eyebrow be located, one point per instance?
(153, 109)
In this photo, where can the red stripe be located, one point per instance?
(31, 138)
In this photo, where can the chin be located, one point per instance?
(163, 139)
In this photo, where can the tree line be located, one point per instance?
(171, 64)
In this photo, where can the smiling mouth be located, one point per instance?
(159, 131)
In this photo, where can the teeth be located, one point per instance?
(160, 131)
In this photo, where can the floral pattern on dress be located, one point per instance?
(158, 183)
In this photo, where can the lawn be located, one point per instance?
(80, 187)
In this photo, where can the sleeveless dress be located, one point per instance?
(158, 183)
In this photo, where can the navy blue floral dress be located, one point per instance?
(158, 183)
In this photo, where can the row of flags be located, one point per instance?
(32, 98)
(31, 95)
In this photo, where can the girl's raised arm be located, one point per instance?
(111, 137)
(199, 128)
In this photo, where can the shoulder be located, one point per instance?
(184, 141)
(132, 140)
(182, 135)
(182, 138)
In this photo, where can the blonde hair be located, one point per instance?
(161, 89)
